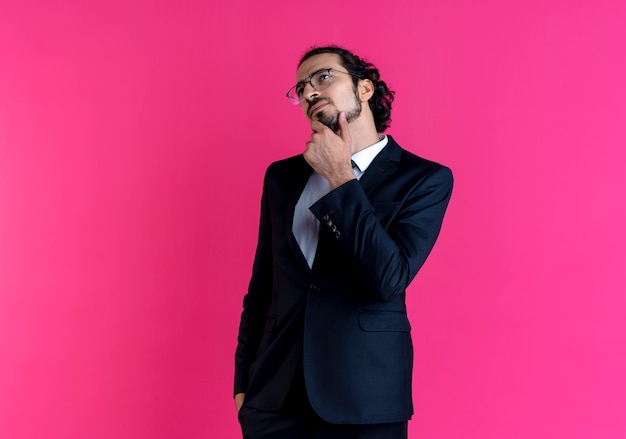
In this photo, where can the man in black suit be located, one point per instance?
(324, 347)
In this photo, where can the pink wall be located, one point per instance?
(133, 140)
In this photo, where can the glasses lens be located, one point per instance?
(293, 97)
(321, 80)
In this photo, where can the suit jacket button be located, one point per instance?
(325, 217)
(337, 234)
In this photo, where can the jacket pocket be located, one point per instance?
(384, 321)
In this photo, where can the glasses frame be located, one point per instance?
(309, 80)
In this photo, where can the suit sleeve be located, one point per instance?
(387, 258)
(256, 301)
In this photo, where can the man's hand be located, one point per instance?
(239, 398)
(330, 154)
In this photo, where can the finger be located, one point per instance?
(344, 132)
(313, 139)
(317, 126)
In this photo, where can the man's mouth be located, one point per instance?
(316, 107)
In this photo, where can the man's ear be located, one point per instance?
(366, 90)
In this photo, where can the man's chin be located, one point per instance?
(331, 122)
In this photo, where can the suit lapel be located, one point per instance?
(381, 167)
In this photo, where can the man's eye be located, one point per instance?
(323, 77)
(299, 90)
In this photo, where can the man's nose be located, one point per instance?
(309, 92)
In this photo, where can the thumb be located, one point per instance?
(344, 132)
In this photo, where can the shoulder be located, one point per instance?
(412, 163)
(287, 165)
(288, 172)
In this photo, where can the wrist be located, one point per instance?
(340, 180)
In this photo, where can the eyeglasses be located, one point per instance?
(319, 80)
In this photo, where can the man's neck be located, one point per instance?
(363, 136)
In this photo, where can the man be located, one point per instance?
(324, 347)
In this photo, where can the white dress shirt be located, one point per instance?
(306, 227)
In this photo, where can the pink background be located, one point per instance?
(133, 141)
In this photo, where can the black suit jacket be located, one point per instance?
(343, 323)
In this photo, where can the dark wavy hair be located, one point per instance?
(380, 102)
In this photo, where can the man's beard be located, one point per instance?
(332, 120)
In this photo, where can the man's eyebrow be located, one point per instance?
(306, 78)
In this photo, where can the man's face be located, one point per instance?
(325, 105)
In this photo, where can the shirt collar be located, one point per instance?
(365, 157)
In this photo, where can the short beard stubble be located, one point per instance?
(332, 120)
